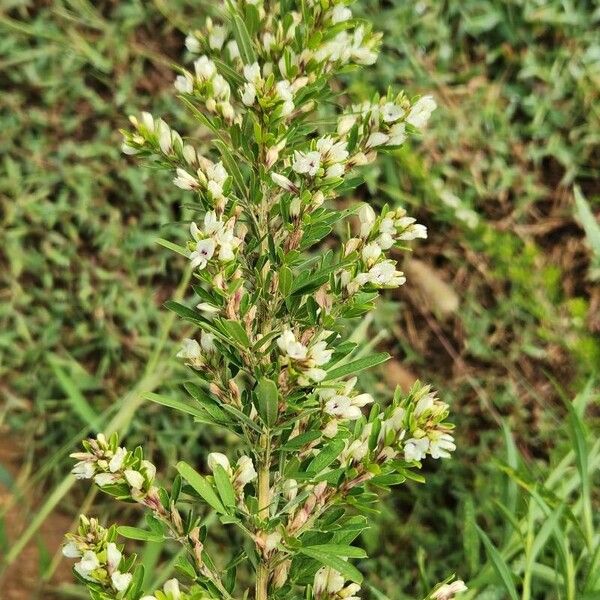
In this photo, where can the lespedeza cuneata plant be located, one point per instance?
(270, 359)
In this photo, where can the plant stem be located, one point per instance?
(264, 472)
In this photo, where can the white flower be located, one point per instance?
(84, 470)
(348, 592)
(252, 73)
(424, 404)
(366, 216)
(215, 189)
(116, 462)
(336, 170)
(70, 550)
(221, 88)
(149, 470)
(327, 581)
(164, 136)
(449, 590)
(217, 458)
(289, 345)
(184, 83)
(354, 452)
(102, 479)
(283, 182)
(415, 449)
(271, 541)
(306, 162)
(441, 446)
(284, 90)
(190, 350)
(391, 112)
(312, 375)
(192, 43)
(397, 134)
(134, 478)
(331, 150)
(340, 13)
(245, 471)
(113, 557)
(87, 564)
(205, 68)
(345, 124)
(203, 253)
(371, 252)
(120, 580)
(233, 49)
(172, 587)
(248, 93)
(377, 138)
(341, 406)
(184, 180)
(416, 231)
(384, 273)
(421, 111)
(211, 223)
(216, 38)
(290, 489)
(216, 172)
(268, 39)
(148, 121)
(320, 354)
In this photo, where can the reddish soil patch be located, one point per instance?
(22, 580)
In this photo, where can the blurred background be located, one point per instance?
(501, 312)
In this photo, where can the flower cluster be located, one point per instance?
(330, 585)
(216, 239)
(358, 46)
(208, 85)
(111, 465)
(385, 122)
(193, 353)
(153, 135)
(274, 374)
(210, 178)
(305, 360)
(99, 559)
(447, 591)
(243, 473)
(262, 90)
(342, 403)
(378, 234)
(413, 427)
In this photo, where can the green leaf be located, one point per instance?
(471, 543)
(286, 278)
(356, 366)
(174, 247)
(301, 440)
(237, 332)
(174, 403)
(224, 486)
(500, 566)
(135, 533)
(340, 550)
(347, 570)
(231, 165)
(244, 42)
(77, 400)
(201, 485)
(325, 457)
(268, 399)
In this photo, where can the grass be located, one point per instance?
(503, 297)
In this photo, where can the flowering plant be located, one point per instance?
(270, 360)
